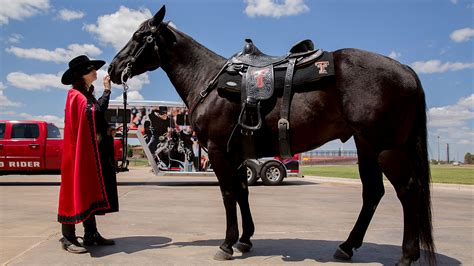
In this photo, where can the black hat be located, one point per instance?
(79, 64)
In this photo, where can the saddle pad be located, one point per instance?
(323, 66)
(259, 82)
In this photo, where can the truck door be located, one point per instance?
(2, 146)
(25, 147)
(54, 147)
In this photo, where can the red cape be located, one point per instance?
(82, 183)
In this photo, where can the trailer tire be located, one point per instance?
(252, 176)
(272, 173)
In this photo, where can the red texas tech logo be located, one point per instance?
(260, 75)
(322, 65)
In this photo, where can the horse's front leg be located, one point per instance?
(248, 227)
(226, 171)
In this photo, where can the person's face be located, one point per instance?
(91, 75)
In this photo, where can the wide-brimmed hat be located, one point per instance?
(79, 65)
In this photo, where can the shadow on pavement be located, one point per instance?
(129, 245)
(297, 250)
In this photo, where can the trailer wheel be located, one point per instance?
(273, 173)
(251, 174)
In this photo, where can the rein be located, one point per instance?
(203, 94)
(127, 74)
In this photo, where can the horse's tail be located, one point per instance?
(422, 171)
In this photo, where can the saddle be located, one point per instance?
(252, 56)
(256, 76)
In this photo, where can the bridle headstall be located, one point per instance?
(149, 39)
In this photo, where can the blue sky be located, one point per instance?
(39, 37)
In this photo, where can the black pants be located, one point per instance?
(90, 228)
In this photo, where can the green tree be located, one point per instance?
(129, 150)
(468, 158)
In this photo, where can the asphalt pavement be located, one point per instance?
(180, 220)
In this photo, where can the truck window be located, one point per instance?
(53, 132)
(25, 131)
(2, 130)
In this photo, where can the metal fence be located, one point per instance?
(329, 157)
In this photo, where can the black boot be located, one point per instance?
(91, 236)
(97, 239)
(69, 240)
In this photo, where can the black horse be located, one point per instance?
(371, 97)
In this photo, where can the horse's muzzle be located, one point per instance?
(115, 76)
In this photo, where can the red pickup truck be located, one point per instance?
(33, 146)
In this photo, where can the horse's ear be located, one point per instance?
(159, 16)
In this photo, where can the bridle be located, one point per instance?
(149, 39)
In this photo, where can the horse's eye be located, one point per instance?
(136, 35)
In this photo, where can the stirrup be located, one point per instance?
(259, 117)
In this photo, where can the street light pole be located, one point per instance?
(447, 152)
(438, 151)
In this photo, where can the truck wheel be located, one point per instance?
(251, 175)
(273, 173)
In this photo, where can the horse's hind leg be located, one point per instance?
(372, 192)
(398, 169)
(248, 227)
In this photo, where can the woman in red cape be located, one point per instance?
(88, 180)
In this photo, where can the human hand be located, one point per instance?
(107, 84)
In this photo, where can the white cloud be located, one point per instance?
(462, 35)
(10, 115)
(135, 85)
(436, 66)
(453, 124)
(137, 82)
(452, 115)
(4, 101)
(272, 8)
(35, 82)
(68, 15)
(21, 9)
(454, 1)
(117, 28)
(131, 96)
(58, 55)
(42, 81)
(394, 55)
(460, 140)
(15, 38)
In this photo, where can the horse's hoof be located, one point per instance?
(243, 247)
(222, 255)
(341, 255)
